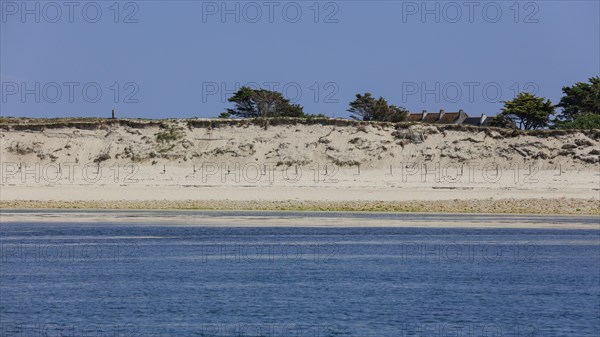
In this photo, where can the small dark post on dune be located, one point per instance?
(113, 114)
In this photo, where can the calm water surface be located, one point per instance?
(144, 279)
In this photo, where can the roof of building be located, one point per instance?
(415, 117)
(434, 117)
(472, 121)
(431, 117)
(449, 117)
(487, 121)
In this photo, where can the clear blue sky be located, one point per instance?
(175, 58)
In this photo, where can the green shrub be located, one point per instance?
(171, 134)
(586, 121)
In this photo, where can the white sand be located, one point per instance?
(301, 163)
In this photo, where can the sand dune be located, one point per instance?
(302, 164)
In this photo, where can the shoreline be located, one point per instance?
(298, 219)
(551, 206)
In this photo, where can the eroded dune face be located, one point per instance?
(342, 144)
(296, 165)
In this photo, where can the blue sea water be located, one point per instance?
(145, 279)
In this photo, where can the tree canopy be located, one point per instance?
(527, 111)
(580, 106)
(581, 98)
(367, 108)
(251, 103)
(502, 121)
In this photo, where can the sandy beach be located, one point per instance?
(296, 166)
